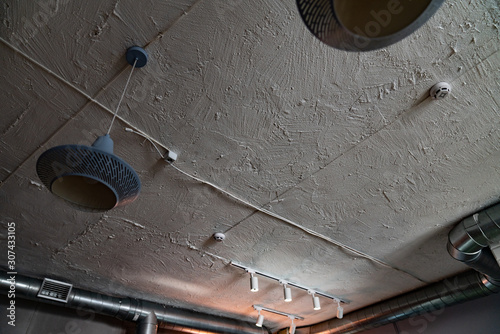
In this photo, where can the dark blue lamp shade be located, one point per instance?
(91, 178)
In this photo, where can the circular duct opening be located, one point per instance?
(92, 193)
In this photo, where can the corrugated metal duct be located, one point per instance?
(147, 315)
(436, 296)
(467, 242)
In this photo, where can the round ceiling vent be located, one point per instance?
(365, 25)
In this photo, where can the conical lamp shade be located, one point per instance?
(365, 25)
(90, 178)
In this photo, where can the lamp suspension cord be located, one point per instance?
(121, 98)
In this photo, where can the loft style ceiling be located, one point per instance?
(358, 174)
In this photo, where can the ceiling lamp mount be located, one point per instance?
(92, 178)
(365, 25)
(137, 55)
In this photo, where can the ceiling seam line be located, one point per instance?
(163, 32)
(379, 130)
(66, 82)
(354, 146)
(475, 66)
(158, 37)
(262, 210)
(89, 98)
(296, 225)
(361, 142)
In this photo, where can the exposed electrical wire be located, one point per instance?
(275, 215)
(145, 136)
(258, 208)
(292, 223)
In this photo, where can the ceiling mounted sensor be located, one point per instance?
(365, 25)
(92, 178)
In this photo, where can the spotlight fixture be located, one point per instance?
(292, 326)
(254, 282)
(316, 302)
(287, 292)
(286, 284)
(340, 310)
(260, 318)
(365, 25)
(92, 178)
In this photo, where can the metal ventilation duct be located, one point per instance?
(468, 242)
(147, 315)
(436, 296)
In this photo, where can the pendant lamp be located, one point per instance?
(92, 178)
(365, 25)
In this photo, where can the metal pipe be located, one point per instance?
(433, 297)
(135, 310)
(469, 243)
(148, 325)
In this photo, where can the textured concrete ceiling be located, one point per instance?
(364, 173)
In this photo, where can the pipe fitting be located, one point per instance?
(148, 324)
(469, 241)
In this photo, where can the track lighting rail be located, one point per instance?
(289, 315)
(296, 285)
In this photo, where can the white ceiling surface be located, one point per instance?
(347, 147)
